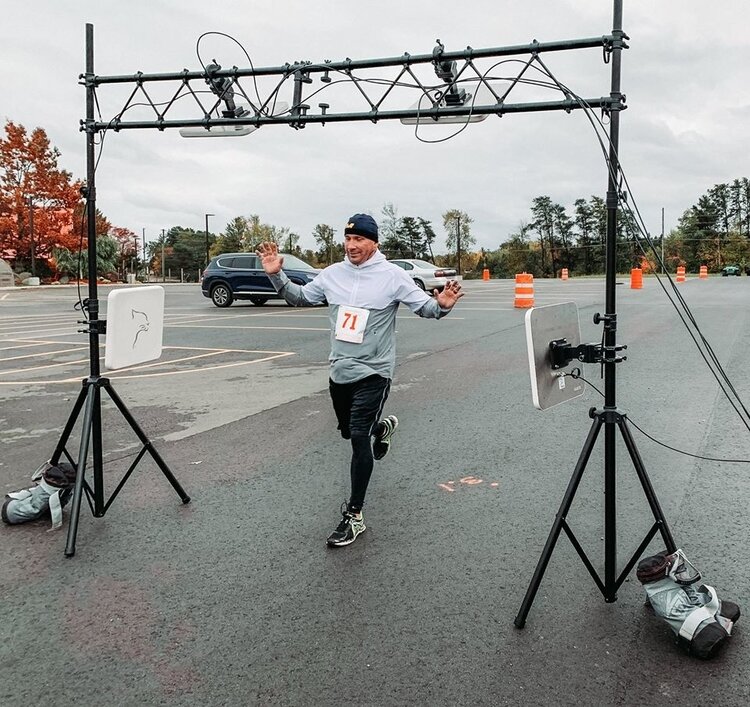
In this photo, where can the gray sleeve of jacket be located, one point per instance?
(414, 298)
(432, 310)
(297, 295)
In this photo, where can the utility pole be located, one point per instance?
(330, 245)
(163, 278)
(458, 240)
(662, 240)
(31, 232)
(207, 215)
(145, 267)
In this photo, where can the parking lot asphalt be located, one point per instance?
(234, 599)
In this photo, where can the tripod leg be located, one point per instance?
(648, 489)
(69, 425)
(147, 443)
(83, 450)
(557, 526)
(97, 454)
(610, 514)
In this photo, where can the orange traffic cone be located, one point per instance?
(524, 290)
(564, 274)
(636, 279)
(704, 272)
(486, 274)
(681, 273)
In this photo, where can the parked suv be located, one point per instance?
(232, 276)
(731, 270)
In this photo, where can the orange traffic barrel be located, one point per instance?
(680, 273)
(564, 274)
(704, 272)
(636, 279)
(524, 290)
(486, 274)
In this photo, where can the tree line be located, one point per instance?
(43, 231)
(43, 219)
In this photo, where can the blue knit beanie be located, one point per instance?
(362, 225)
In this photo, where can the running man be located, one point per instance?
(363, 294)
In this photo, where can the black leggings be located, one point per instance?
(358, 407)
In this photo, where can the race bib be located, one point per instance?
(350, 324)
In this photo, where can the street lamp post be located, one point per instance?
(207, 215)
(662, 240)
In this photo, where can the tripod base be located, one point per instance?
(89, 400)
(611, 583)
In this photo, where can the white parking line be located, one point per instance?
(32, 343)
(266, 356)
(44, 368)
(203, 369)
(38, 327)
(25, 317)
(232, 326)
(45, 353)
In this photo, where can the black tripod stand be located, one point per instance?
(89, 399)
(610, 417)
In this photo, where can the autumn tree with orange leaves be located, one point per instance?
(34, 190)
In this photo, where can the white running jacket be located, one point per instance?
(362, 304)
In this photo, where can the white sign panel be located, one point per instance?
(135, 325)
(549, 387)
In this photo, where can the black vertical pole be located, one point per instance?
(206, 240)
(93, 302)
(610, 320)
(458, 241)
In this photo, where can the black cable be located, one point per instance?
(250, 61)
(80, 255)
(578, 375)
(635, 220)
(717, 369)
(482, 79)
(687, 454)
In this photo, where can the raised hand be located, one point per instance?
(269, 257)
(450, 295)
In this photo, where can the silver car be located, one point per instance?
(426, 275)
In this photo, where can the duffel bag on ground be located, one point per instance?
(51, 492)
(701, 621)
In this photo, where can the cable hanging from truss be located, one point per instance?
(465, 92)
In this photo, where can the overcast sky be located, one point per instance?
(686, 127)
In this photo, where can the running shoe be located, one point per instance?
(382, 442)
(348, 529)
